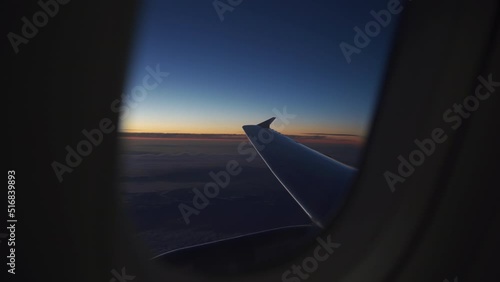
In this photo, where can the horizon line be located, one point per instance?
(310, 135)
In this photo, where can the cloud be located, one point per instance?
(333, 134)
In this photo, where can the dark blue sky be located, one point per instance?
(264, 55)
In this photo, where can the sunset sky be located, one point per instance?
(262, 56)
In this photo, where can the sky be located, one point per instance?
(264, 55)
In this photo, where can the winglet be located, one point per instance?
(267, 123)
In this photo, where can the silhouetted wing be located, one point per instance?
(317, 182)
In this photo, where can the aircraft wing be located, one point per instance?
(318, 184)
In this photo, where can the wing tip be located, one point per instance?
(267, 123)
(264, 124)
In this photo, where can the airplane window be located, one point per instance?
(244, 121)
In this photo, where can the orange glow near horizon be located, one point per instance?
(353, 140)
(298, 129)
(194, 124)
